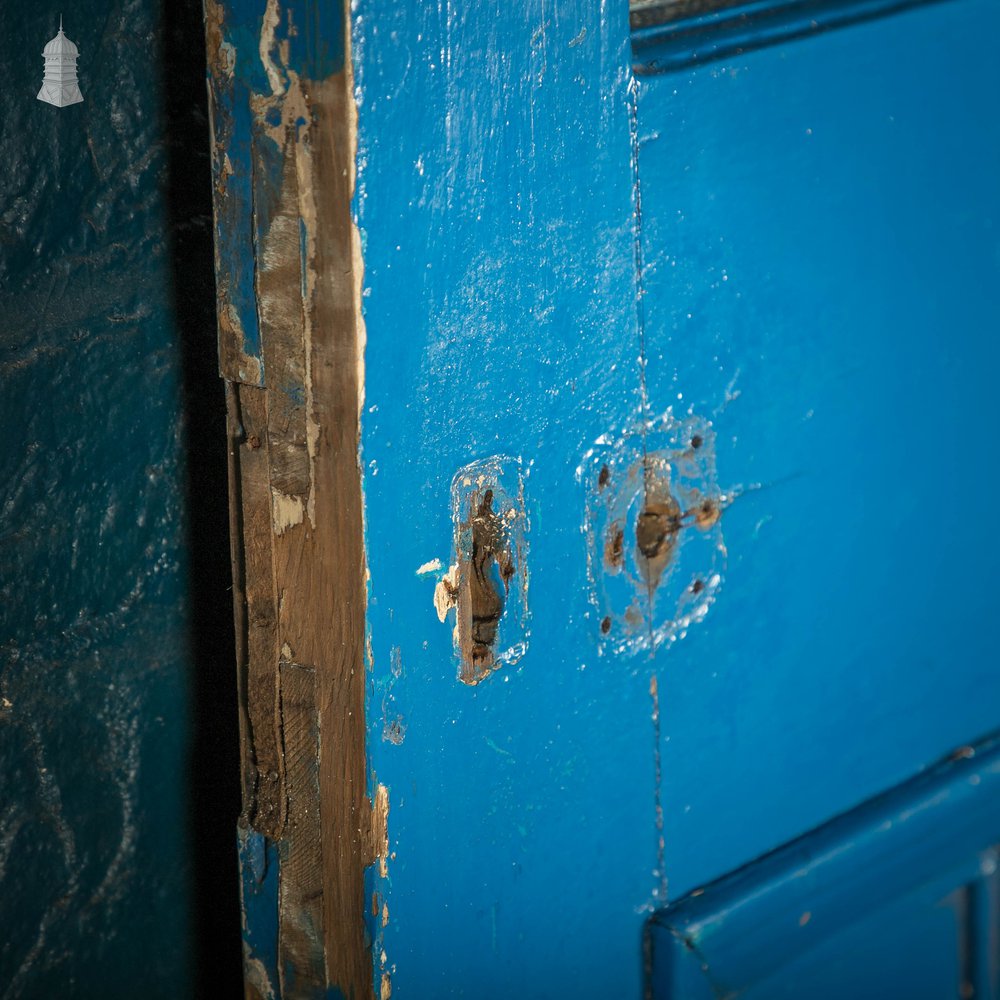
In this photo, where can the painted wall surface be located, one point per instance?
(97, 858)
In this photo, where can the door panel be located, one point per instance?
(820, 255)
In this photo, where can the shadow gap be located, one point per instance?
(213, 759)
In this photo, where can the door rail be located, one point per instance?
(672, 35)
(733, 934)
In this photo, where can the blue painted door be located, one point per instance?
(819, 271)
(676, 455)
(758, 279)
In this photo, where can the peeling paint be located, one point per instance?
(240, 353)
(380, 830)
(256, 977)
(284, 152)
(487, 585)
(446, 592)
(269, 22)
(286, 511)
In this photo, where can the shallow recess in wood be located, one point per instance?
(655, 552)
(487, 584)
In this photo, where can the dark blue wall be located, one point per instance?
(117, 743)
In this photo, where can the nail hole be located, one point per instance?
(606, 625)
(697, 441)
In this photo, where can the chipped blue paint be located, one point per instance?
(234, 74)
(817, 264)
(537, 818)
(312, 32)
(316, 49)
(253, 49)
(259, 874)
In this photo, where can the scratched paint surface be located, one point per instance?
(94, 857)
(494, 199)
(819, 227)
(832, 337)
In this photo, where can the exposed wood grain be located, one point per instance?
(266, 810)
(320, 566)
(235, 437)
(300, 936)
(279, 296)
(300, 482)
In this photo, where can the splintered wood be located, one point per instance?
(299, 562)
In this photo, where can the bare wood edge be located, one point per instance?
(314, 539)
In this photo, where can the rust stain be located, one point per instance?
(706, 513)
(614, 546)
(656, 530)
(652, 523)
